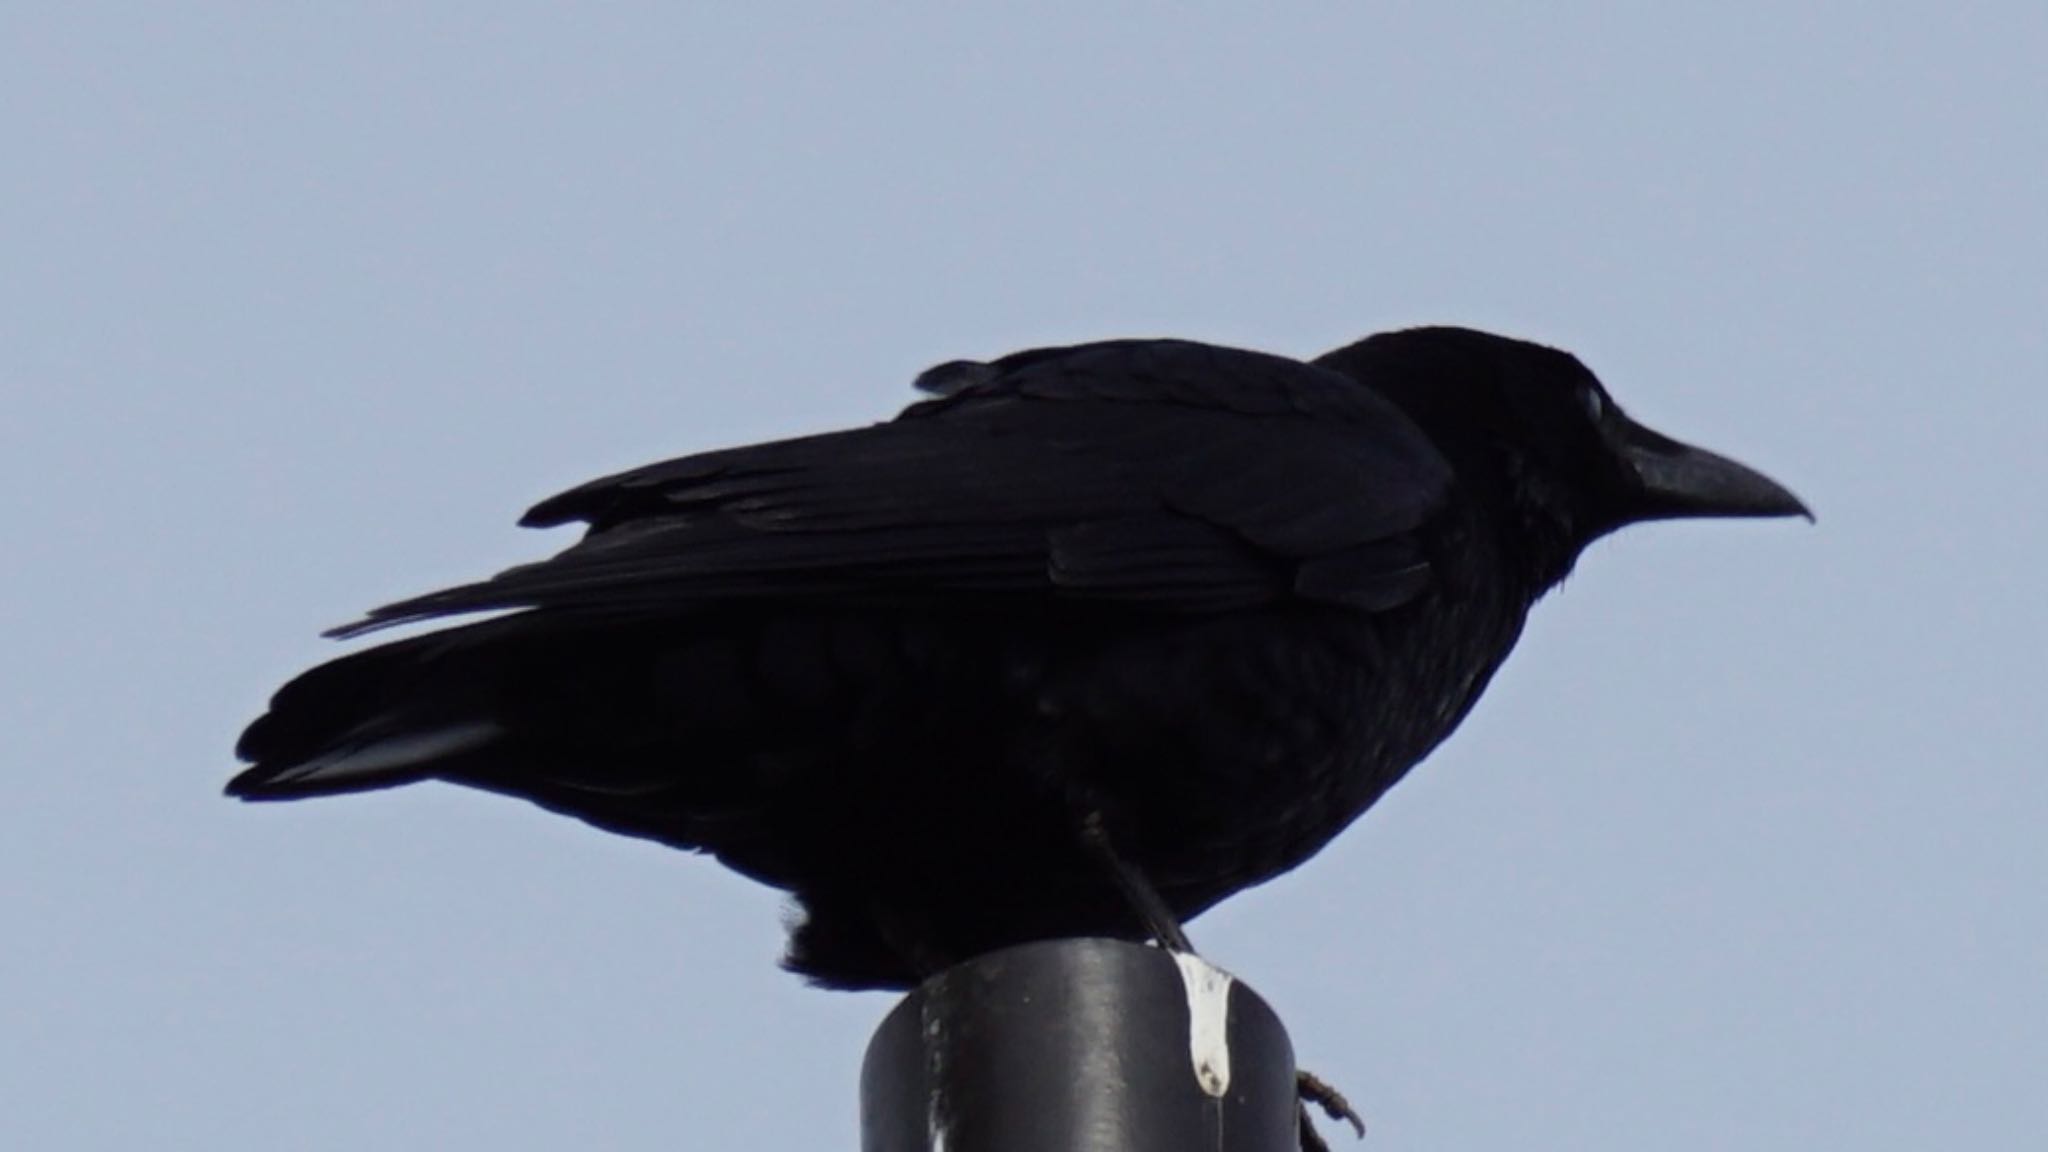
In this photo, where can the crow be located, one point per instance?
(1084, 642)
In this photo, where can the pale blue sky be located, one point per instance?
(301, 305)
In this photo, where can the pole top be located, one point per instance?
(1089, 1044)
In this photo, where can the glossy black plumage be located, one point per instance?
(1216, 599)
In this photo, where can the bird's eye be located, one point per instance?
(1595, 404)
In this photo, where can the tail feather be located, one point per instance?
(368, 720)
(365, 764)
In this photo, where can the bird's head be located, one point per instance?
(1536, 424)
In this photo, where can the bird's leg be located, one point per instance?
(1137, 891)
(1164, 926)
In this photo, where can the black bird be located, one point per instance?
(1088, 641)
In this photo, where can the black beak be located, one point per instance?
(1679, 480)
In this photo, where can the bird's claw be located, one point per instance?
(1315, 1090)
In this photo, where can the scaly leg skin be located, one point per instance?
(1164, 927)
(1137, 891)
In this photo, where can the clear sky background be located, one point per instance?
(301, 305)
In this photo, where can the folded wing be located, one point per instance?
(1165, 475)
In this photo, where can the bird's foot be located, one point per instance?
(1164, 927)
(1314, 1090)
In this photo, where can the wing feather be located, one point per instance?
(1180, 477)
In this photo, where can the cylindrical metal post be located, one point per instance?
(1071, 1045)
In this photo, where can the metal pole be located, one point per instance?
(1080, 1046)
